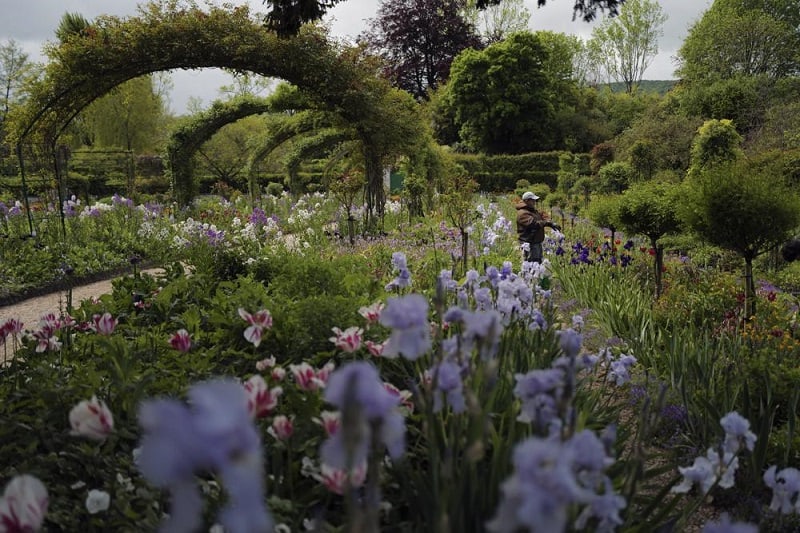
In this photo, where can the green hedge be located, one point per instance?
(500, 173)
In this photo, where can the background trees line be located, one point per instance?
(543, 95)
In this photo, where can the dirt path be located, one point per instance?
(29, 311)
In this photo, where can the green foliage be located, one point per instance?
(669, 132)
(132, 117)
(628, 43)
(500, 173)
(642, 159)
(717, 142)
(741, 208)
(770, 48)
(187, 140)
(604, 211)
(614, 177)
(502, 98)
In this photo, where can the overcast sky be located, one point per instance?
(32, 22)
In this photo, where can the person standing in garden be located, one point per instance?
(530, 228)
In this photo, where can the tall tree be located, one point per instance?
(286, 16)
(248, 84)
(501, 98)
(628, 43)
(418, 40)
(747, 38)
(130, 117)
(15, 71)
(496, 22)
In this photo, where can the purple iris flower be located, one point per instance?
(366, 406)
(407, 316)
(213, 433)
(448, 386)
(258, 217)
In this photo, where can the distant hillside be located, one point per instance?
(649, 86)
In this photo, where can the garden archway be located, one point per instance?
(172, 35)
(186, 140)
(291, 127)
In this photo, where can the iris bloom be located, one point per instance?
(366, 406)
(213, 433)
(407, 316)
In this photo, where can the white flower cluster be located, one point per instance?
(299, 216)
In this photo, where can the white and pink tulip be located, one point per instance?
(261, 400)
(23, 505)
(348, 340)
(91, 419)
(181, 341)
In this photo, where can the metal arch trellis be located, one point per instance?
(342, 80)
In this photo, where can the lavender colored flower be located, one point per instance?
(785, 487)
(472, 278)
(407, 316)
(506, 271)
(605, 508)
(538, 320)
(213, 433)
(258, 217)
(737, 432)
(540, 392)
(449, 386)
(366, 406)
(483, 297)
(485, 329)
(570, 342)
(725, 525)
(708, 471)
(493, 275)
(620, 369)
(399, 261)
(446, 280)
(549, 477)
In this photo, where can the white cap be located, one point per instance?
(529, 196)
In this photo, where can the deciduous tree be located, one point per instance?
(130, 117)
(742, 207)
(627, 44)
(418, 40)
(502, 97)
(16, 70)
(286, 16)
(650, 208)
(740, 37)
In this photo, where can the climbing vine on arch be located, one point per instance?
(175, 34)
(187, 139)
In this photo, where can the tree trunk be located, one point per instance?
(659, 265)
(375, 195)
(749, 289)
(464, 249)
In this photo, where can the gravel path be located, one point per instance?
(29, 311)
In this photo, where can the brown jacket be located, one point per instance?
(530, 224)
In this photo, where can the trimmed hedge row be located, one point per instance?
(500, 173)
